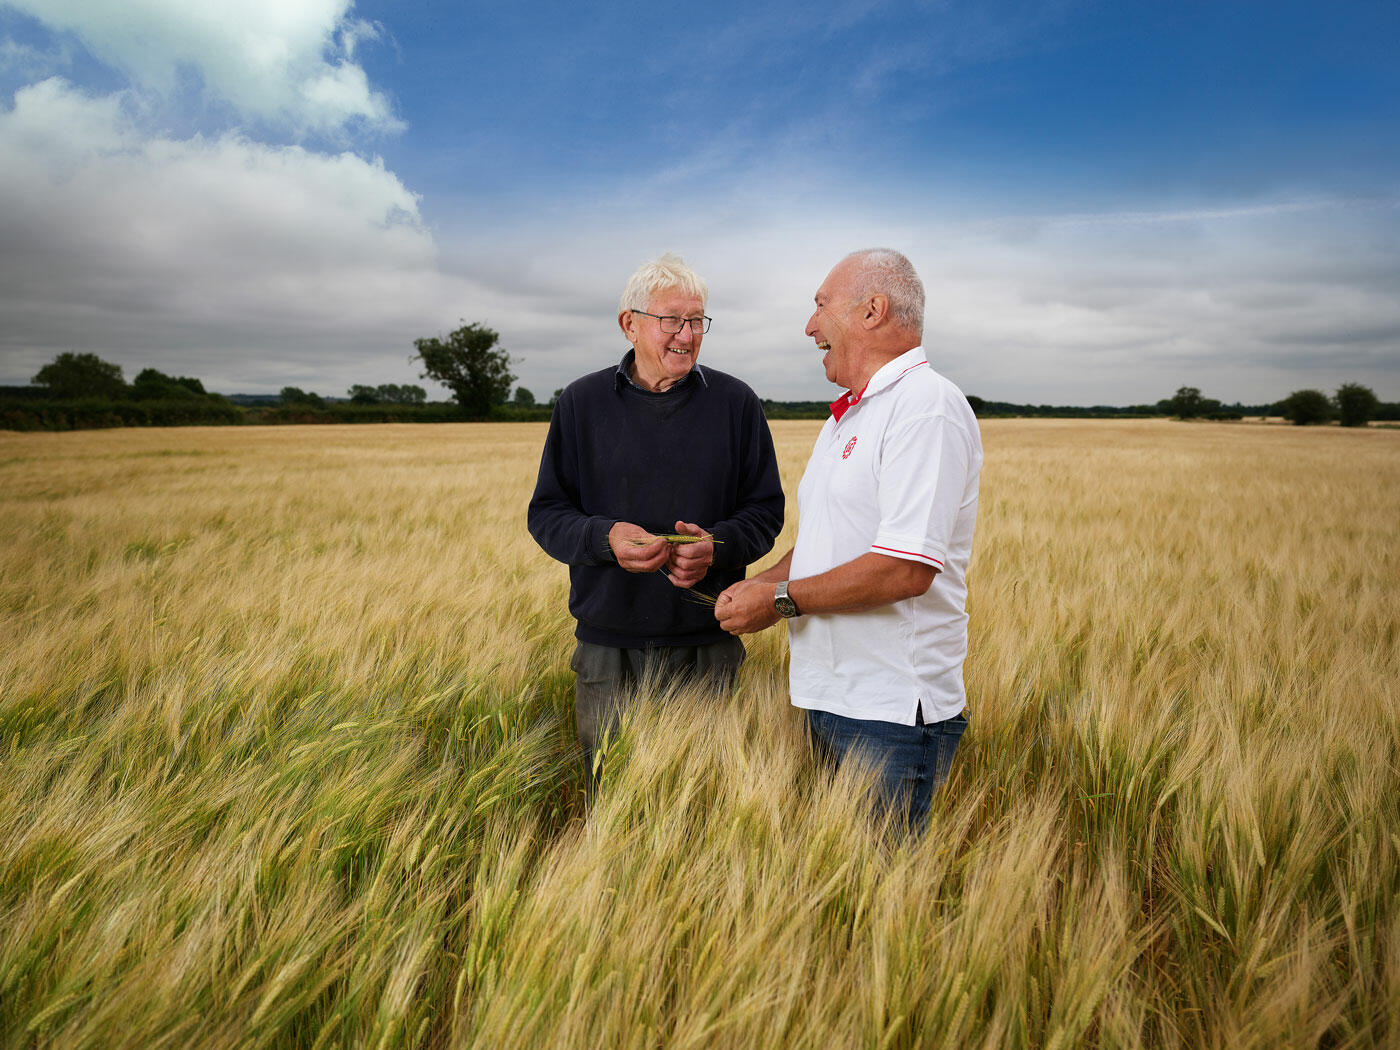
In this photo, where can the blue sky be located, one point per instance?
(1106, 200)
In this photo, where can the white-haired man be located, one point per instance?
(650, 446)
(875, 588)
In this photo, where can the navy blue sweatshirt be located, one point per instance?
(700, 452)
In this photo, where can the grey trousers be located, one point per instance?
(608, 680)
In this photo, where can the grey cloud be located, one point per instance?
(1385, 338)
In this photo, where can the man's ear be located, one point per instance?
(627, 322)
(877, 311)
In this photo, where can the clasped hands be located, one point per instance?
(685, 563)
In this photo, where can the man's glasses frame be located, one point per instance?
(671, 325)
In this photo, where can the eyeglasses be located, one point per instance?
(673, 325)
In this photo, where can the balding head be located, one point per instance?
(870, 309)
(884, 271)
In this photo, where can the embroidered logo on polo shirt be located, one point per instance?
(850, 447)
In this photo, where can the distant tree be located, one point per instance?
(524, 398)
(292, 395)
(1188, 403)
(1305, 407)
(363, 395)
(407, 394)
(554, 397)
(151, 385)
(72, 375)
(387, 394)
(1356, 404)
(977, 404)
(471, 365)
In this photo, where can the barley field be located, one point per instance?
(287, 760)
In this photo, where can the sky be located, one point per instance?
(1105, 200)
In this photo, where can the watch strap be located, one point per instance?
(783, 602)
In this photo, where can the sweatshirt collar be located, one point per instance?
(623, 376)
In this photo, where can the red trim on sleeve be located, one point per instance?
(908, 554)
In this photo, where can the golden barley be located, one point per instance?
(286, 760)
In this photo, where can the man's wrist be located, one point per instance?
(783, 602)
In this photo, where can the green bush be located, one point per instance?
(513, 412)
(1356, 404)
(98, 413)
(1306, 407)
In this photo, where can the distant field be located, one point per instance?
(286, 760)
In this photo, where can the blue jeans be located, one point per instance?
(912, 761)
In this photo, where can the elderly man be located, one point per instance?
(652, 446)
(875, 588)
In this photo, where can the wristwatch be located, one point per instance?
(786, 606)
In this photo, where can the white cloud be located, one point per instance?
(246, 264)
(55, 128)
(287, 62)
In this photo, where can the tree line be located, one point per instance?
(81, 390)
(1353, 405)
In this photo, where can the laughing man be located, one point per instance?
(875, 588)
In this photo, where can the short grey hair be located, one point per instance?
(669, 271)
(884, 271)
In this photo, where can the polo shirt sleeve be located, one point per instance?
(922, 485)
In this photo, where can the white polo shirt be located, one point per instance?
(894, 471)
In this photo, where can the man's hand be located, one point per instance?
(633, 557)
(687, 563)
(747, 606)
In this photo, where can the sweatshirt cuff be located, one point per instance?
(599, 550)
(723, 555)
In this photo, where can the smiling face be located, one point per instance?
(663, 360)
(833, 325)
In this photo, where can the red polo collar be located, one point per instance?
(846, 401)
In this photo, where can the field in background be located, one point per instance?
(286, 760)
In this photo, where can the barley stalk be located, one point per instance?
(675, 538)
